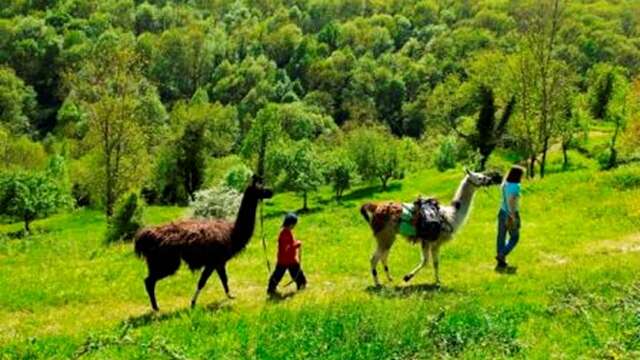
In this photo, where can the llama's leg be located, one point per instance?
(222, 274)
(385, 255)
(201, 283)
(159, 268)
(150, 285)
(374, 263)
(435, 253)
(423, 262)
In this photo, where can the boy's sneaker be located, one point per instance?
(502, 263)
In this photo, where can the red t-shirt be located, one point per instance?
(287, 248)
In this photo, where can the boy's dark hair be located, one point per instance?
(290, 219)
(515, 174)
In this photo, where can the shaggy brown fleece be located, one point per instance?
(197, 242)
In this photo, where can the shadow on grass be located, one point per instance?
(365, 193)
(509, 270)
(280, 214)
(156, 317)
(279, 297)
(399, 291)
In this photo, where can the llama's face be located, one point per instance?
(259, 190)
(484, 179)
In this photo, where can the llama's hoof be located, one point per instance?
(406, 278)
(193, 304)
(230, 297)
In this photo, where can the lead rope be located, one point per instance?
(264, 242)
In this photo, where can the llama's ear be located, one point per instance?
(256, 179)
(466, 171)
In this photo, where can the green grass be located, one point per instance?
(63, 293)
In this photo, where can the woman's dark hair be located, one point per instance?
(515, 174)
(290, 219)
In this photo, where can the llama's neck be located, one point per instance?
(463, 197)
(245, 223)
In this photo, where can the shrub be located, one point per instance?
(216, 203)
(446, 156)
(238, 177)
(126, 220)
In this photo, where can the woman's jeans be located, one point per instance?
(504, 248)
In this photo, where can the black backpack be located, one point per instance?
(428, 219)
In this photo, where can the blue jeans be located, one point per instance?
(504, 248)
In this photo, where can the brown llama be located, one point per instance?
(207, 244)
(384, 221)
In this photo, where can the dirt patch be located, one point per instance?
(629, 244)
(554, 259)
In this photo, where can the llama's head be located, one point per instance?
(487, 178)
(258, 190)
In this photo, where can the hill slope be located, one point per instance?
(63, 293)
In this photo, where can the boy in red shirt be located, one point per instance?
(288, 256)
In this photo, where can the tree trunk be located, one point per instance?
(27, 221)
(613, 157)
(565, 156)
(543, 161)
(532, 166)
(384, 181)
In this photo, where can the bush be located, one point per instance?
(216, 203)
(126, 220)
(238, 177)
(446, 156)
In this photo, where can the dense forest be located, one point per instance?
(99, 98)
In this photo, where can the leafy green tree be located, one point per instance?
(608, 94)
(27, 196)
(376, 154)
(32, 51)
(109, 87)
(17, 102)
(489, 132)
(303, 171)
(340, 172)
(238, 177)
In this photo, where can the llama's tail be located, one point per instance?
(145, 242)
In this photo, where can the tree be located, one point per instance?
(488, 133)
(109, 87)
(265, 131)
(199, 130)
(17, 102)
(573, 123)
(608, 95)
(541, 25)
(27, 196)
(303, 171)
(376, 154)
(340, 172)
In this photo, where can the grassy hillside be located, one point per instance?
(63, 293)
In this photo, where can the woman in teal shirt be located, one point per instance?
(509, 215)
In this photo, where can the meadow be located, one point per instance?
(65, 294)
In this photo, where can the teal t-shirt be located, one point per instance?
(509, 189)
